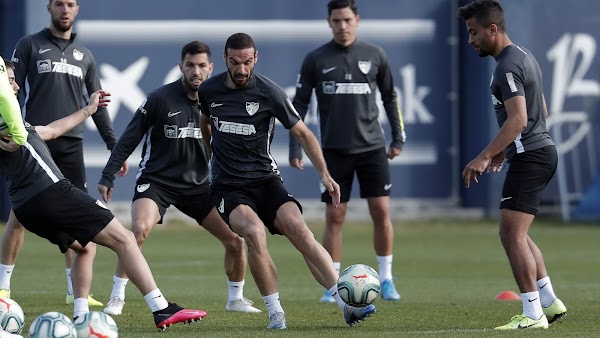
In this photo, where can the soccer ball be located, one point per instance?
(96, 324)
(12, 317)
(52, 325)
(359, 285)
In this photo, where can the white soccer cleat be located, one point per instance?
(277, 321)
(241, 305)
(5, 334)
(114, 306)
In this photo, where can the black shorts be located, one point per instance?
(63, 214)
(264, 197)
(527, 177)
(197, 205)
(372, 170)
(67, 153)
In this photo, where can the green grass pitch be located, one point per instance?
(448, 273)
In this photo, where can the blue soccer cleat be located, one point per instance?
(353, 315)
(327, 298)
(388, 290)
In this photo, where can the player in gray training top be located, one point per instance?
(58, 71)
(523, 140)
(174, 171)
(240, 107)
(346, 74)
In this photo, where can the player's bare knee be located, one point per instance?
(234, 244)
(254, 236)
(141, 230)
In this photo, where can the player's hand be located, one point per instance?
(296, 163)
(334, 190)
(393, 152)
(124, 169)
(496, 163)
(105, 192)
(474, 169)
(98, 99)
(7, 144)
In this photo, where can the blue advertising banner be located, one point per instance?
(137, 49)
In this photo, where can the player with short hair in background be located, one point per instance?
(345, 74)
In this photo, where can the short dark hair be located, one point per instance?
(485, 12)
(50, 2)
(195, 47)
(239, 41)
(8, 64)
(337, 4)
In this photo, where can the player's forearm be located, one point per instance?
(394, 115)
(312, 148)
(59, 127)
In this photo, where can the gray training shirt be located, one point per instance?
(29, 169)
(58, 72)
(517, 73)
(243, 125)
(345, 80)
(173, 152)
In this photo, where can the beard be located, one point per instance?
(239, 83)
(56, 22)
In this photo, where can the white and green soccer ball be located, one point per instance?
(12, 317)
(359, 285)
(96, 324)
(52, 325)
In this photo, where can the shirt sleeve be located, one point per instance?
(20, 59)
(283, 109)
(101, 117)
(11, 121)
(144, 117)
(510, 80)
(304, 89)
(385, 83)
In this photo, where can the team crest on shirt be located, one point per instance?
(251, 107)
(364, 66)
(143, 187)
(77, 55)
(44, 66)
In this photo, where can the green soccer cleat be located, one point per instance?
(555, 311)
(91, 301)
(523, 322)
(6, 293)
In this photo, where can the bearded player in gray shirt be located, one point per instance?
(524, 142)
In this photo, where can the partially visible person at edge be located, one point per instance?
(240, 106)
(58, 70)
(174, 171)
(48, 204)
(10, 122)
(522, 140)
(345, 74)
